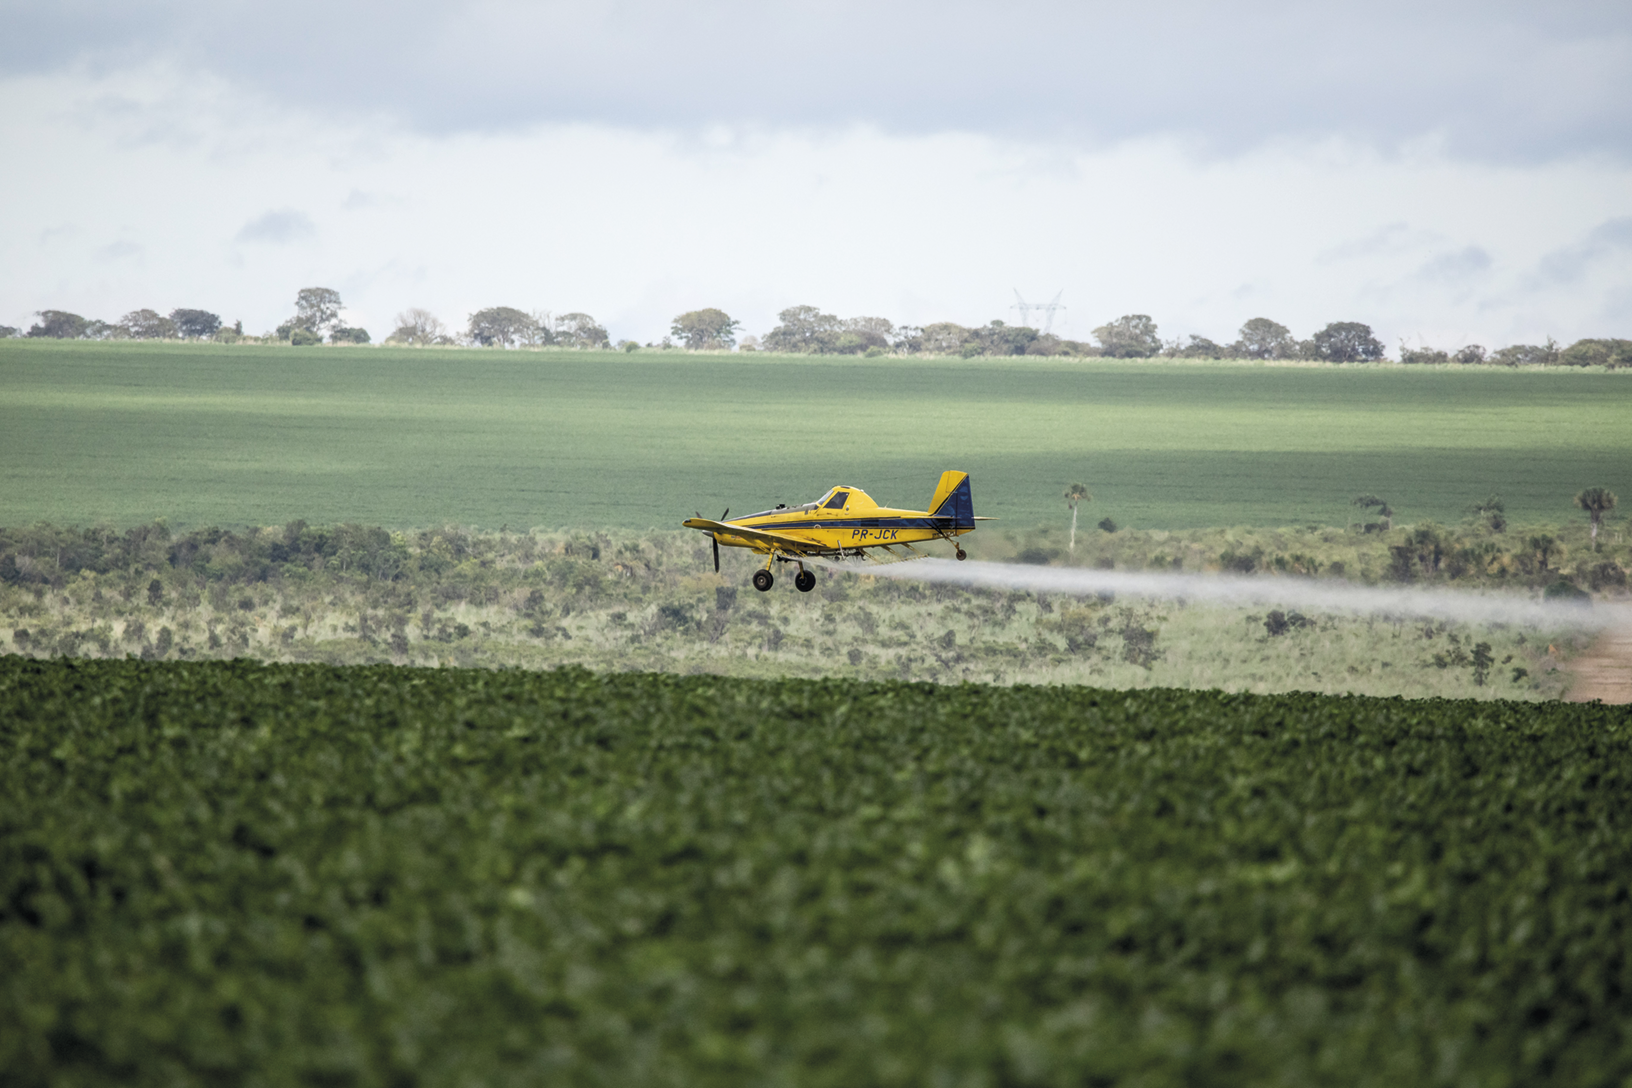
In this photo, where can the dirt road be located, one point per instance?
(1605, 670)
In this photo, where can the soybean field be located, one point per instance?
(198, 434)
(224, 872)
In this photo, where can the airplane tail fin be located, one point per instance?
(953, 499)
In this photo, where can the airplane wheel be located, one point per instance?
(763, 580)
(962, 555)
(804, 581)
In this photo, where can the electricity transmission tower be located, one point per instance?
(1046, 309)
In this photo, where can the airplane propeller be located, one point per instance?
(715, 539)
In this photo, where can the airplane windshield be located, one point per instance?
(837, 501)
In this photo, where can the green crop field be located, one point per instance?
(200, 434)
(226, 873)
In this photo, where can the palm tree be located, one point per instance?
(1384, 511)
(1074, 494)
(1494, 511)
(1596, 501)
(1543, 547)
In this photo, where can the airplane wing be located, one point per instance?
(783, 541)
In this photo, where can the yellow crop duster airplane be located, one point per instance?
(844, 522)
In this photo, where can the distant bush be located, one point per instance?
(1525, 355)
(1138, 644)
(1261, 338)
(1472, 355)
(1346, 342)
(942, 338)
(195, 324)
(1131, 336)
(59, 325)
(579, 330)
(1278, 623)
(1606, 353)
(349, 336)
(1564, 590)
(300, 338)
(1199, 347)
(705, 330)
(419, 327)
(506, 326)
(1607, 575)
(146, 325)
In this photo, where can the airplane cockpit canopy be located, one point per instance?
(839, 498)
(846, 497)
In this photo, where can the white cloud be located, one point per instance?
(277, 228)
(635, 225)
(1494, 80)
(358, 201)
(121, 250)
(1389, 238)
(1570, 263)
(1457, 265)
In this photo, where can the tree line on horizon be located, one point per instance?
(317, 315)
(317, 318)
(807, 330)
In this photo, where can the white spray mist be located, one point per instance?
(1314, 595)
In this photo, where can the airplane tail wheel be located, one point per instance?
(962, 555)
(804, 581)
(763, 580)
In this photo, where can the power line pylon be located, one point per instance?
(1047, 309)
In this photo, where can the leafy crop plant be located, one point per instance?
(233, 873)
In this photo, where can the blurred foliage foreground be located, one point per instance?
(351, 594)
(233, 873)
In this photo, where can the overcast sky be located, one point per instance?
(1454, 175)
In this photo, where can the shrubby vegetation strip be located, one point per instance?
(351, 594)
(214, 872)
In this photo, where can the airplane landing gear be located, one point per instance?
(804, 581)
(763, 580)
(962, 555)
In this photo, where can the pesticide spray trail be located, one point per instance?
(1243, 591)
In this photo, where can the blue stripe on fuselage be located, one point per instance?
(858, 523)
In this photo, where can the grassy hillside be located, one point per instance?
(227, 873)
(200, 434)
